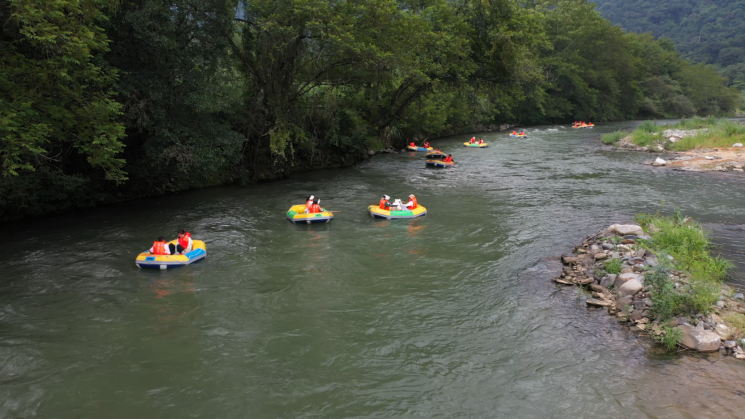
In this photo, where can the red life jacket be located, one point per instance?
(514, 132)
(159, 248)
(448, 158)
(426, 145)
(415, 203)
(384, 204)
(412, 145)
(315, 208)
(184, 241)
(481, 141)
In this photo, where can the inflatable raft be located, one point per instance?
(410, 148)
(376, 212)
(163, 262)
(583, 126)
(519, 135)
(297, 215)
(476, 145)
(436, 159)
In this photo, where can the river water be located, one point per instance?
(452, 315)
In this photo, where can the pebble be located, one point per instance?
(739, 296)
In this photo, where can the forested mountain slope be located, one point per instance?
(709, 31)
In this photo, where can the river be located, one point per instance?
(452, 315)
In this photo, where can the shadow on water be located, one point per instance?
(450, 315)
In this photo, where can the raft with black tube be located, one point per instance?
(163, 262)
(437, 159)
(296, 214)
(376, 212)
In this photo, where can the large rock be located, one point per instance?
(626, 229)
(723, 331)
(659, 162)
(631, 287)
(608, 280)
(623, 278)
(698, 339)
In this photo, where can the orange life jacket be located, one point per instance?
(522, 132)
(481, 141)
(426, 145)
(315, 208)
(448, 158)
(384, 205)
(184, 241)
(159, 248)
(309, 204)
(412, 145)
(514, 132)
(415, 203)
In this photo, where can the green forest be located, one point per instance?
(709, 32)
(108, 100)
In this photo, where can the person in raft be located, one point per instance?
(309, 202)
(412, 144)
(184, 243)
(384, 204)
(514, 132)
(481, 141)
(316, 207)
(426, 144)
(522, 132)
(412, 204)
(160, 247)
(473, 140)
(449, 158)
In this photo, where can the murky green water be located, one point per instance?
(449, 316)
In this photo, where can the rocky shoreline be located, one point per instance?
(627, 296)
(721, 159)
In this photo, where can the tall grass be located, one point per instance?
(689, 245)
(644, 138)
(720, 133)
(648, 126)
(611, 138)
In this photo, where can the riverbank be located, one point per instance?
(698, 145)
(659, 279)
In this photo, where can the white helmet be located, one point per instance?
(311, 197)
(386, 197)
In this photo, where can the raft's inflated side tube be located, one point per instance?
(436, 155)
(297, 215)
(376, 212)
(149, 260)
(440, 163)
(410, 148)
(476, 145)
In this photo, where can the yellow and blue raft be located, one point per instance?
(519, 135)
(163, 262)
(410, 148)
(475, 145)
(296, 214)
(376, 212)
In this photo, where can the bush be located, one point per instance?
(647, 126)
(611, 138)
(643, 138)
(664, 301)
(670, 338)
(613, 266)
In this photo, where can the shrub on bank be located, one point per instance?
(611, 138)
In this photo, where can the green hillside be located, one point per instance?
(709, 31)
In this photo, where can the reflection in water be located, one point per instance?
(448, 315)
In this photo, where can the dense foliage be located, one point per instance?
(711, 32)
(107, 100)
